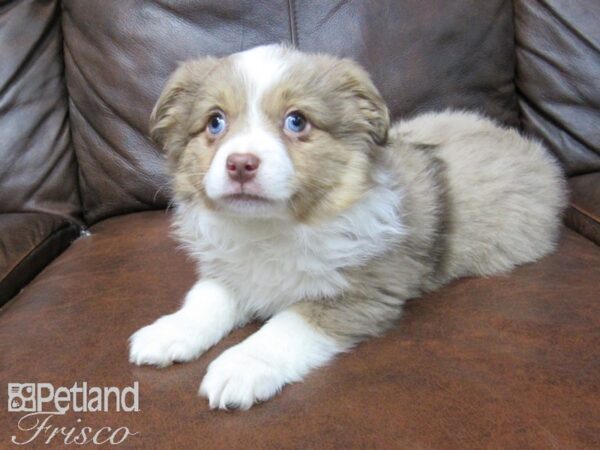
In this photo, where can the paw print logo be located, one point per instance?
(21, 397)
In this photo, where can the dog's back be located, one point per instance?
(504, 193)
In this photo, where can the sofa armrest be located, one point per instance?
(583, 214)
(28, 242)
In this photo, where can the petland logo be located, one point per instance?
(43, 401)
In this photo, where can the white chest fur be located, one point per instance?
(271, 264)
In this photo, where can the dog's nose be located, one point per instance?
(242, 167)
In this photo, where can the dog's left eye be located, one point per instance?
(216, 124)
(295, 122)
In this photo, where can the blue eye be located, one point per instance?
(216, 124)
(295, 122)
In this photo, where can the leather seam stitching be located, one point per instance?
(581, 230)
(69, 122)
(586, 213)
(43, 243)
(292, 16)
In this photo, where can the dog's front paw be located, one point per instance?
(170, 339)
(236, 379)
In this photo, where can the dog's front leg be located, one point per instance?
(291, 344)
(208, 313)
(285, 349)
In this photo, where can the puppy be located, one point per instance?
(305, 208)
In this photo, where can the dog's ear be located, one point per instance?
(170, 116)
(371, 106)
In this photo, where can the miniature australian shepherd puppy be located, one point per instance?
(307, 209)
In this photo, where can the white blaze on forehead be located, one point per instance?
(262, 68)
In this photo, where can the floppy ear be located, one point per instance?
(170, 116)
(374, 113)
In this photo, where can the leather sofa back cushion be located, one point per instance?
(558, 79)
(118, 54)
(38, 170)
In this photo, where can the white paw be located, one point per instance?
(170, 339)
(236, 379)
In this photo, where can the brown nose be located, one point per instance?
(242, 167)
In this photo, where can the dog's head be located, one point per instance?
(271, 131)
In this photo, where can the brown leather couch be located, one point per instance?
(86, 257)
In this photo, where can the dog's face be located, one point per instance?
(271, 132)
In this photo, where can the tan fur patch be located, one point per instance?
(179, 119)
(349, 119)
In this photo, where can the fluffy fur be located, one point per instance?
(341, 224)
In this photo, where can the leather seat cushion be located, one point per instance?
(501, 362)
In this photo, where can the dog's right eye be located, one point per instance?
(216, 124)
